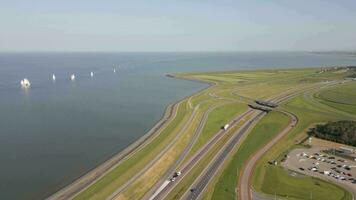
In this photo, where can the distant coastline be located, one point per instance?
(350, 53)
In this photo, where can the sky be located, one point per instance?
(177, 25)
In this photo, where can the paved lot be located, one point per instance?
(314, 162)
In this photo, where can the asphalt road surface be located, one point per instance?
(214, 166)
(244, 191)
(187, 149)
(194, 160)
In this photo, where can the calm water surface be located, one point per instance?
(57, 131)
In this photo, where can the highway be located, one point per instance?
(205, 177)
(244, 186)
(214, 166)
(173, 168)
(159, 185)
(163, 192)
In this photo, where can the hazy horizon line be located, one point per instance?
(188, 51)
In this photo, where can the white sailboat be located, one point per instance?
(72, 77)
(53, 77)
(25, 83)
(91, 74)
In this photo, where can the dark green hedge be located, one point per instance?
(341, 131)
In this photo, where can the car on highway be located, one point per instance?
(176, 174)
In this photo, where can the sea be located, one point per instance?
(56, 131)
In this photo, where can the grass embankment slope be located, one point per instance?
(342, 97)
(218, 117)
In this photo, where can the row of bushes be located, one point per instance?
(341, 131)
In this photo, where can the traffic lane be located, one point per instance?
(212, 168)
(191, 163)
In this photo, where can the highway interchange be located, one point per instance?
(202, 181)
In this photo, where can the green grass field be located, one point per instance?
(343, 94)
(279, 182)
(217, 118)
(342, 97)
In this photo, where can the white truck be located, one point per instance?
(225, 127)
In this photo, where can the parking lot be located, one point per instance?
(314, 162)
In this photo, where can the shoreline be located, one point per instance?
(90, 177)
